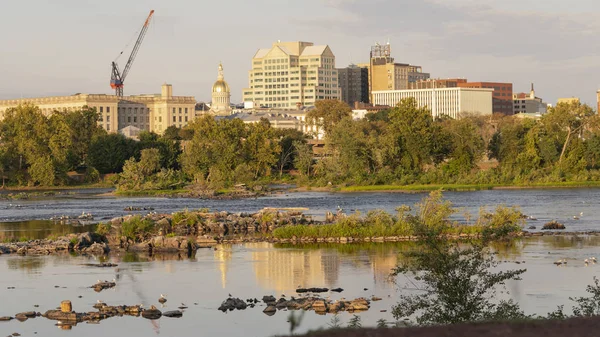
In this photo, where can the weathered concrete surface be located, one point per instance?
(576, 327)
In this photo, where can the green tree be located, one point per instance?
(108, 152)
(262, 147)
(566, 121)
(149, 162)
(458, 281)
(304, 157)
(412, 132)
(327, 113)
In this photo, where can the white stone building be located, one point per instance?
(155, 112)
(292, 74)
(445, 101)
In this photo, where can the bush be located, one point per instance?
(458, 281)
(91, 175)
(189, 218)
(137, 229)
(103, 228)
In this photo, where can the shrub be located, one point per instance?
(137, 229)
(91, 175)
(103, 228)
(458, 281)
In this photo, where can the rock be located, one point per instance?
(152, 313)
(98, 287)
(174, 314)
(96, 249)
(232, 304)
(319, 306)
(531, 227)
(269, 299)
(58, 315)
(101, 265)
(270, 310)
(16, 334)
(312, 290)
(375, 299)
(23, 316)
(553, 225)
(6, 318)
(337, 290)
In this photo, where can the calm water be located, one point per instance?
(545, 205)
(254, 270)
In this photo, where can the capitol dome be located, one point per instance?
(221, 95)
(220, 86)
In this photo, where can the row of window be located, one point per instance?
(175, 120)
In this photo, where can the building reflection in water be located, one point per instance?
(284, 270)
(223, 258)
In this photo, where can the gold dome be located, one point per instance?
(220, 85)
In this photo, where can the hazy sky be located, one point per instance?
(63, 47)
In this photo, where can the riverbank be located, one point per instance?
(465, 187)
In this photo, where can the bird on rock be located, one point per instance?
(162, 299)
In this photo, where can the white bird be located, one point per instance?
(99, 302)
(593, 259)
(162, 296)
(586, 262)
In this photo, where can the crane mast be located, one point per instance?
(117, 78)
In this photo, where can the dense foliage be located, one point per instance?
(404, 145)
(40, 150)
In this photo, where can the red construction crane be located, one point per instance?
(117, 78)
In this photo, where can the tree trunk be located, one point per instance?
(564, 149)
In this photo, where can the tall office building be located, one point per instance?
(385, 74)
(354, 84)
(291, 75)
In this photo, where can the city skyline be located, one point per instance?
(67, 48)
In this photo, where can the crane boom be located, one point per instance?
(118, 77)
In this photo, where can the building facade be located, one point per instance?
(221, 95)
(291, 74)
(354, 84)
(502, 101)
(147, 112)
(501, 98)
(450, 102)
(528, 103)
(385, 74)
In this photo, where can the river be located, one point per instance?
(254, 270)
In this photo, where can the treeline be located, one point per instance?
(39, 150)
(406, 145)
(403, 145)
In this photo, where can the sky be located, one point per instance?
(67, 46)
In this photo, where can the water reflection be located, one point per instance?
(39, 229)
(30, 265)
(223, 256)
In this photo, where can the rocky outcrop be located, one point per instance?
(316, 304)
(553, 225)
(85, 243)
(231, 304)
(103, 285)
